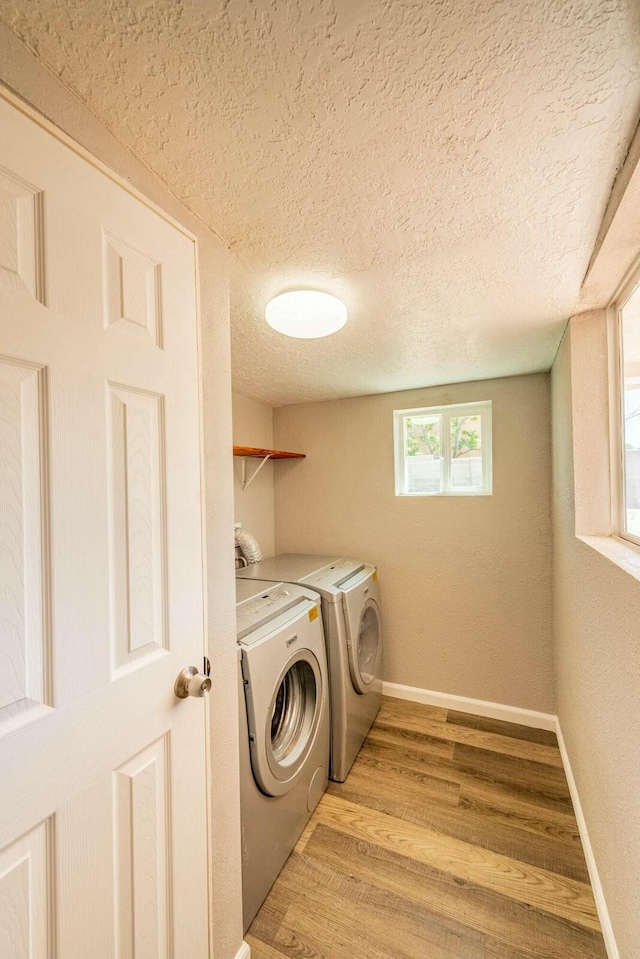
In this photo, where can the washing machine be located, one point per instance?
(353, 632)
(284, 726)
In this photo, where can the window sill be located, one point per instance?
(619, 551)
(460, 493)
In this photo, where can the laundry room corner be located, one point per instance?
(464, 580)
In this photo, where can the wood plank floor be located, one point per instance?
(452, 838)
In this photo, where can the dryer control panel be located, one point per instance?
(339, 576)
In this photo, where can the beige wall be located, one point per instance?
(26, 75)
(466, 581)
(597, 635)
(253, 426)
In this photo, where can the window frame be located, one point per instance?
(483, 409)
(618, 461)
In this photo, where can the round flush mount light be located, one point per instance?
(306, 314)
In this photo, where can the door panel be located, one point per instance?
(24, 896)
(23, 623)
(101, 564)
(20, 236)
(142, 853)
(138, 530)
(132, 291)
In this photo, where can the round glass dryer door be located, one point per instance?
(294, 714)
(366, 649)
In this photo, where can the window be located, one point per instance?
(628, 310)
(443, 451)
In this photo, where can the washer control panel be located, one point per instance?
(256, 608)
(260, 604)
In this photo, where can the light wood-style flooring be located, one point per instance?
(453, 838)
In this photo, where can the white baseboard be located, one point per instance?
(479, 707)
(596, 885)
(244, 952)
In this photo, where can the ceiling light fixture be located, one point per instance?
(306, 314)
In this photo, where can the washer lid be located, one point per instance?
(328, 575)
(248, 588)
(286, 568)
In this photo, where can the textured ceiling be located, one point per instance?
(443, 166)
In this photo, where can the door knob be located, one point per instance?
(191, 683)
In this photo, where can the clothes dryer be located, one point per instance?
(284, 726)
(353, 633)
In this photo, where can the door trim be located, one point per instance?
(16, 101)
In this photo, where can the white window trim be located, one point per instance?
(618, 491)
(482, 409)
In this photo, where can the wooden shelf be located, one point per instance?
(261, 454)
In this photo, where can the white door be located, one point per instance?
(102, 768)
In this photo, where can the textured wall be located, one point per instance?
(597, 648)
(253, 426)
(466, 581)
(442, 164)
(21, 70)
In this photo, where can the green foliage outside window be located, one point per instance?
(423, 438)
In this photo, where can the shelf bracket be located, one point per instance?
(246, 483)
